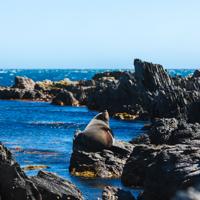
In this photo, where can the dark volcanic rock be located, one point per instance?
(171, 132)
(14, 184)
(11, 93)
(151, 77)
(135, 169)
(114, 74)
(194, 112)
(162, 170)
(113, 193)
(95, 153)
(196, 73)
(148, 93)
(149, 90)
(106, 163)
(174, 168)
(24, 83)
(52, 187)
(65, 98)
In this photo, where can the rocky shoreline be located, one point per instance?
(164, 161)
(147, 93)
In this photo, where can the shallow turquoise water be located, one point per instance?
(44, 132)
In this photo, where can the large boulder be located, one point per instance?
(65, 98)
(14, 184)
(11, 93)
(96, 153)
(135, 169)
(24, 83)
(150, 90)
(52, 187)
(196, 73)
(162, 170)
(114, 193)
(174, 168)
(170, 131)
(107, 163)
(151, 76)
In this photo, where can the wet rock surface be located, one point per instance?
(107, 163)
(95, 153)
(113, 193)
(16, 185)
(52, 187)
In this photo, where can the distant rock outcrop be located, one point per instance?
(147, 93)
(24, 83)
(150, 91)
(65, 98)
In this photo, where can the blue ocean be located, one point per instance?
(39, 133)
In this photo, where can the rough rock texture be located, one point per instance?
(162, 170)
(15, 185)
(65, 98)
(113, 193)
(24, 83)
(149, 90)
(174, 168)
(196, 73)
(153, 164)
(135, 169)
(52, 187)
(106, 163)
(192, 193)
(151, 77)
(171, 131)
(96, 153)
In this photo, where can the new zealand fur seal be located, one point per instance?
(97, 134)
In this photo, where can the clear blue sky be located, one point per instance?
(99, 33)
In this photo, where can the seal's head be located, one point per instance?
(104, 116)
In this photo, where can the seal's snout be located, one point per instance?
(104, 116)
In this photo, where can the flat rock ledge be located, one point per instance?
(107, 163)
(16, 185)
(114, 193)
